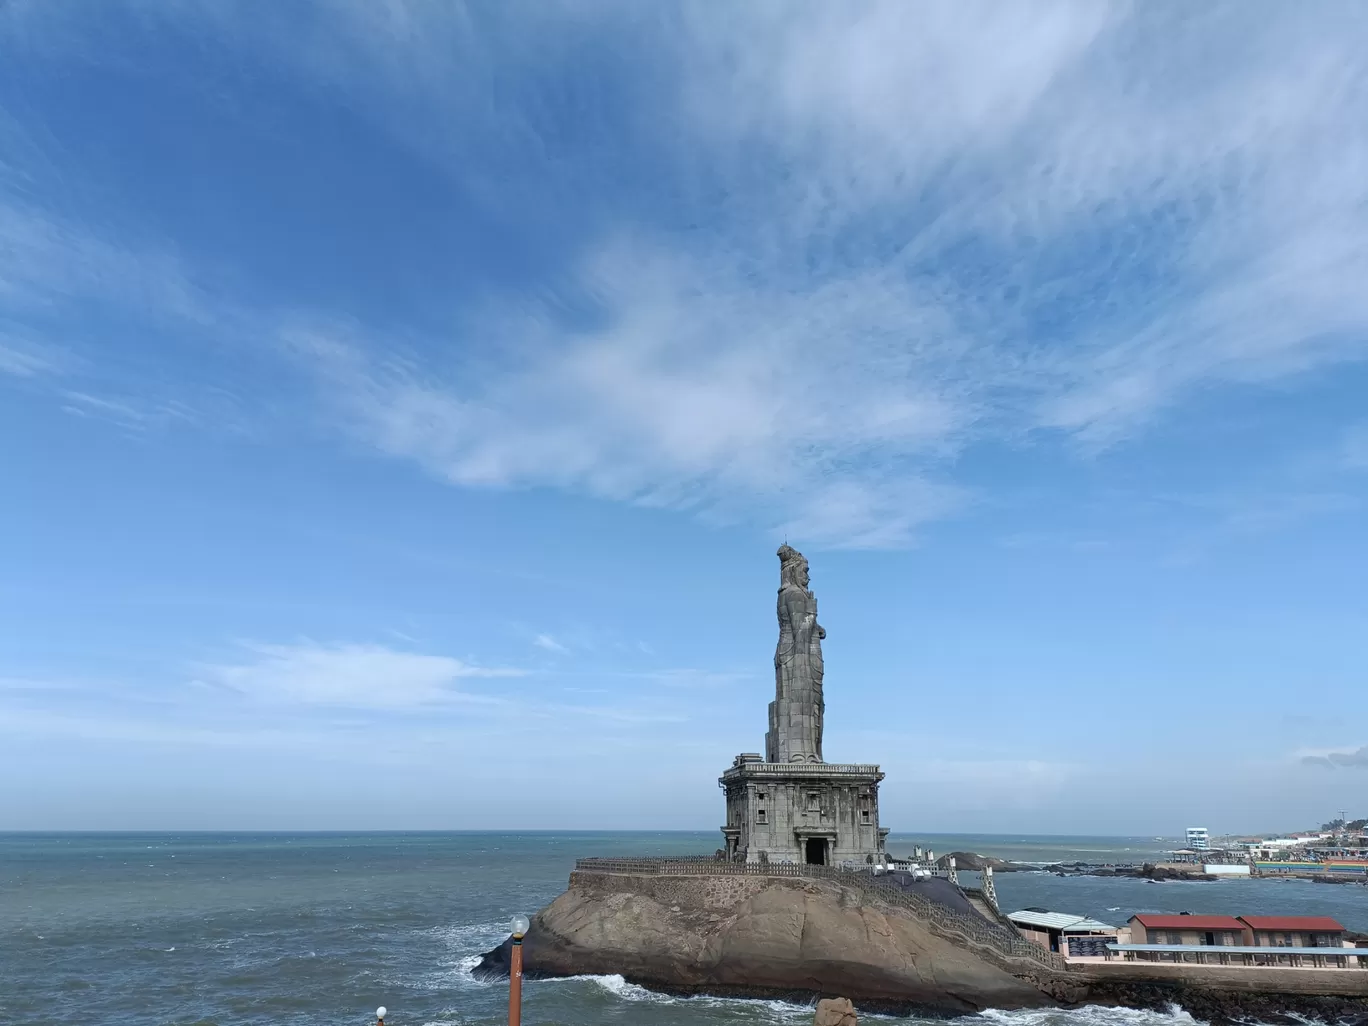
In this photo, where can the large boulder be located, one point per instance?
(835, 1012)
(755, 935)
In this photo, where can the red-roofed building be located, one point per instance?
(1294, 931)
(1226, 931)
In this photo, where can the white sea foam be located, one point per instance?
(617, 987)
(1088, 1015)
(464, 944)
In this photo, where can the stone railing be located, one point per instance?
(994, 942)
(814, 769)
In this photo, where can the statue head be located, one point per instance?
(793, 567)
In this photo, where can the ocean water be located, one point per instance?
(106, 929)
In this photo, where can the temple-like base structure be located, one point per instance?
(816, 813)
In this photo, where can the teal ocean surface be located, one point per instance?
(319, 929)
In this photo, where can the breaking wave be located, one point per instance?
(615, 987)
(1088, 1015)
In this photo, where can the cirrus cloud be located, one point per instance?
(354, 676)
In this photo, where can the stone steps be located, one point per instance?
(981, 907)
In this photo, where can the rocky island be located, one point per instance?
(799, 901)
(691, 932)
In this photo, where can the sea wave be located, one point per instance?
(615, 986)
(1087, 1015)
(463, 945)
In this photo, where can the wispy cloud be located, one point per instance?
(979, 225)
(1259, 514)
(666, 409)
(692, 678)
(126, 413)
(1354, 451)
(823, 250)
(550, 644)
(48, 259)
(27, 359)
(349, 676)
(34, 684)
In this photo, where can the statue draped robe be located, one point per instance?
(795, 715)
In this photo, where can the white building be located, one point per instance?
(1198, 839)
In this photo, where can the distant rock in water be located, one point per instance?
(1149, 871)
(973, 862)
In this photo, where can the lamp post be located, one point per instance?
(380, 1016)
(520, 925)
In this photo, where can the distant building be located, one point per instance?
(1226, 869)
(1198, 839)
(1294, 931)
(1076, 936)
(1356, 867)
(1244, 931)
(1267, 867)
(1226, 931)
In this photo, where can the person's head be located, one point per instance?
(793, 568)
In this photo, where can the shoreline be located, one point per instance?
(1158, 872)
(733, 934)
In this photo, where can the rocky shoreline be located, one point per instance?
(758, 936)
(973, 862)
(802, 939)
(1232, 1007)
(1146, 871)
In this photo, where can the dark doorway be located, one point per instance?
(815, 851)
(1211, 939)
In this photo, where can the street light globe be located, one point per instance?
(380, 1012)
(520, 925)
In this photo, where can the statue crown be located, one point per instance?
(790, 560)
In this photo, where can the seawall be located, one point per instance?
(1233, 993)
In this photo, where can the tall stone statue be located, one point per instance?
(795, 715)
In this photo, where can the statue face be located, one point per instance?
(796, 572)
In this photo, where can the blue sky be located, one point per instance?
(401, 404)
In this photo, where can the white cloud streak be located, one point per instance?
(26, 360)
(883, 234)
(349, 676)
(550, 644)
(1355, 448)
(1105, 232)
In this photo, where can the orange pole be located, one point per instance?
(515, 984)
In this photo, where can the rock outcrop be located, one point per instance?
(805, 938)
(835, 1012)
(974, 863)
(761, 936)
